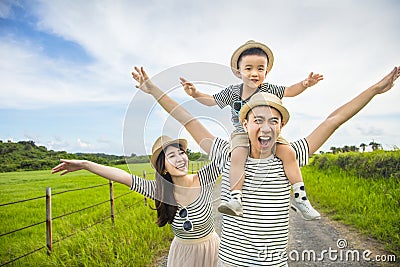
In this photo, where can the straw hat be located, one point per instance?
(264, 99)
(251, 44)
(161, 143)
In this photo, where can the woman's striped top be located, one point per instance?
(260, 237)
(199, 211)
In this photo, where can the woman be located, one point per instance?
(182, 200)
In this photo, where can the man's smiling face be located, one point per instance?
(263, 125)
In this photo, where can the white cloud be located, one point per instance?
(30, 80)
(83, 144)
(57, 144)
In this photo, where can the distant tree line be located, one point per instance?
(27, 156)
(362, 147)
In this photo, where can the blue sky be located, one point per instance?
(65, 66)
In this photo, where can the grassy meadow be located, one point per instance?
(371, 205)
(85, 238)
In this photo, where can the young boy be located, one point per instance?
(251, 62)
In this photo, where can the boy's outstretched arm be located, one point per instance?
(318, 137)
(202, 98)
(299, 87)
(196, 129)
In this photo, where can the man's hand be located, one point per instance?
(387, 82)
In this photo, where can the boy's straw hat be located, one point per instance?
(264, 99)
(251, 44)
(161, 143)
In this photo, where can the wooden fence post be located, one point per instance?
(144, 177)
(49, 234)
(112, 202)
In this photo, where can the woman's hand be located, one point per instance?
(145, 84)
(69, 166)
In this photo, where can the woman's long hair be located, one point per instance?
(166, 205)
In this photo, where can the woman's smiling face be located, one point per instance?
(176, 160)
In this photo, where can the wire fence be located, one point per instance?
(49, 219)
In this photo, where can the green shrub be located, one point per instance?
(375, 164)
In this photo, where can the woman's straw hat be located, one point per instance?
(251, 44)
(161, 143)
(264, 99)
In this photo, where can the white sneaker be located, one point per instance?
(306, 210)
(232, 208)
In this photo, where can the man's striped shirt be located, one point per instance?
(260, 237)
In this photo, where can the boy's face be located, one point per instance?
(252, 70)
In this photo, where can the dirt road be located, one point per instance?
(333, 244)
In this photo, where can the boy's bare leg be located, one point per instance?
(292, 170)
(236, 173)
(236, 179)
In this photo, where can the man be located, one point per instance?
(259, 238)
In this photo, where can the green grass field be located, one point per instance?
(135, 239)
(371, 205)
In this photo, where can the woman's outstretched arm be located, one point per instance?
(196, 129)
(318, 137)
(110, 173)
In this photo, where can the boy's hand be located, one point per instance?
(312, 79)
(189, 87)
(145, 84)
